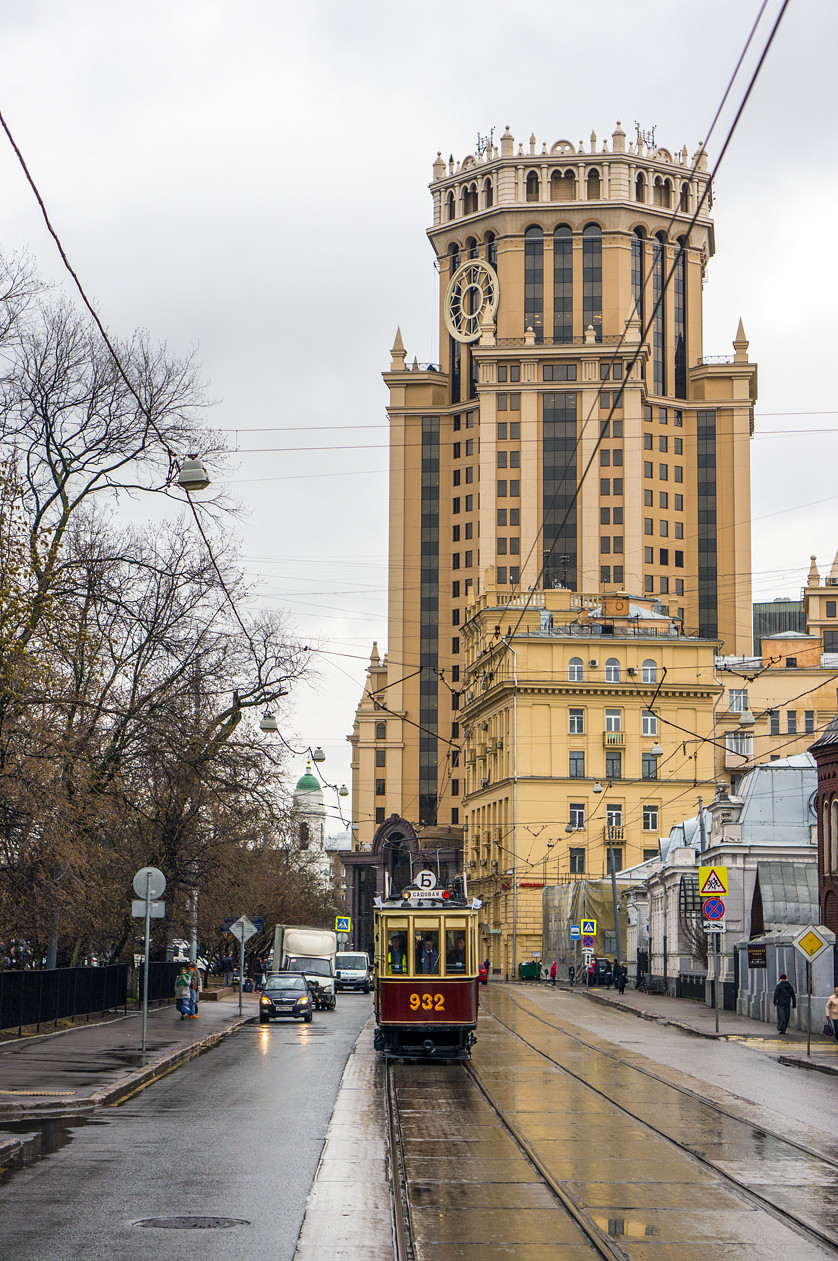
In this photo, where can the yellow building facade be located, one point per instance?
(579, 722)
(571, 433)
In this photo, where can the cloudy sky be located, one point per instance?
(251, 178)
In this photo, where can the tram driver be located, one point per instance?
(396, 957)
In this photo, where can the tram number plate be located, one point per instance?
(427, 1002)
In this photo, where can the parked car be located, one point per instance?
(286, 994)
(352, 972)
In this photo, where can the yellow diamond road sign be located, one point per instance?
(811, 942)
(712, 882)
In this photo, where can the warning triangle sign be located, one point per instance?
(712, 884)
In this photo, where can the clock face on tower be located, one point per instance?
(472, 289)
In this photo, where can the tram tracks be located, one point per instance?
(812, 1231)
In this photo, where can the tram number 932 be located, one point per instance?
(427, 1002)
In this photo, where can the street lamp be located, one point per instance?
(269, 722)
(318, 755)
(193, 475)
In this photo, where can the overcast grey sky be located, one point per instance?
(251, 178)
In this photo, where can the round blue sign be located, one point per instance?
(713, 908)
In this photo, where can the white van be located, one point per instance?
(352, 971)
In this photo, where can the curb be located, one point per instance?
(43, 1110)
(795, 1062)
(653, 1017)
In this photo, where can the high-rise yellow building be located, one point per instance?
(572, 434)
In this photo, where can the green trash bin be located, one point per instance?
(529, 971)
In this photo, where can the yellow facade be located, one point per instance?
(566, 436)
(579, 724)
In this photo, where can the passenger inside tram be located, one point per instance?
(427, 955)
(455, 952)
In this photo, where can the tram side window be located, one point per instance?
(426, 948)
(455, 950)
(397, 952)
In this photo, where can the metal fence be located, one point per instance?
(161, 982)
(36, 997)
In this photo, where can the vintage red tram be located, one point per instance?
(426, 972)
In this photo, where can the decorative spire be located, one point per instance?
(439, 167)
(397, 353)
(740, 344)
(507, 143)
(832, 580)
(532, 143)
(374, 657)
(814, 579)
(618, 138)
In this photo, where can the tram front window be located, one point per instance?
(396, 954)
(427, 952)
(455, 950)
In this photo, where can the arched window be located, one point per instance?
(592, 279)
(305, 836)
(663, 193)
(832, 865)
(491, 249)
(488, 193)
(640, 187)
(533, 186)
(471, 247)
(575, 671)
(451, 206)
(612, 670)
(679, 318)
(637, 270)
(649, 671)
(470, 199)
(658, 328)
(562, 186)
(381, 731)
(594, 185)
(534, 282)
(685, 198)
(562, 284)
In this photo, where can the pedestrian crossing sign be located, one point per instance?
(343, 923)
(712, 882)
(589, 928)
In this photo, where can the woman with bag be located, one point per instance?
(832, 1014)
(183, 993)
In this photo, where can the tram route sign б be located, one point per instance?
(589, 928)
(712, 882)
(712, 908)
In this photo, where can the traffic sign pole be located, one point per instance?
(146, 954)
(809, 1005)
(241, 970)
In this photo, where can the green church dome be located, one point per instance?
(308, 783)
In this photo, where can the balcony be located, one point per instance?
(613, 833)
(613, 739)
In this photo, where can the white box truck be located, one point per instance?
(312, 952)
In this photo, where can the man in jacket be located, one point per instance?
(784, 999)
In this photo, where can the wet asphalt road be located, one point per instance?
(236, 1133)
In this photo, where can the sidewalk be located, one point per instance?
(696, 1018)
(72, 1072)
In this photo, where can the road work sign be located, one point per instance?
(712, 882)
(343, 923)
(589, 928)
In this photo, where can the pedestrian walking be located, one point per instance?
(228, 968)
(195, 986)
(571, 972)
(620, 974)
(832, 1012)
(183, 993)
(553, 970)
(784, 999)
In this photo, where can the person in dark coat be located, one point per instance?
(571, 973)
(784, 999)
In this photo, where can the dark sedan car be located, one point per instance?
(286, 994)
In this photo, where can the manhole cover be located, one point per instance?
(192, 1223)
